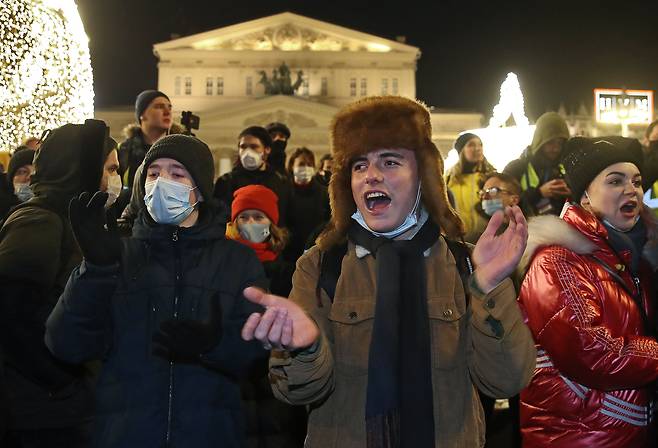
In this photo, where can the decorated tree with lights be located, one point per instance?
(45, 76)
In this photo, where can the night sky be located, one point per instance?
(560, 50)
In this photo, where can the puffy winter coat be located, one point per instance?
(111, 313)
(595, 361)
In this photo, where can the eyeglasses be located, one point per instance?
(493, 192)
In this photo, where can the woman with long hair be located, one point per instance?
(464, 180)
(587, 301)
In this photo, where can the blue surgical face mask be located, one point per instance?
(167, 201)
(409, 221)
(491, 206)
(255, 232)
(23, 192)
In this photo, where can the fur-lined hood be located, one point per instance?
(133, 130)
(550, 230)
(385, 122)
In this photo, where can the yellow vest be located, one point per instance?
(530, 178)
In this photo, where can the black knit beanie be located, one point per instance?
(462, 140)
(144, 99)
(192, 153)
(278, 127)
(587, 157)
(22, 156)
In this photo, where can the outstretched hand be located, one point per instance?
(95, 229)
(284, 325)
(497, 256)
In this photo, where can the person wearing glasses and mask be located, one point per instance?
(162, 309)
(253, 168)
(497, 191)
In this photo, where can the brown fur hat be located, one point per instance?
(378, 123)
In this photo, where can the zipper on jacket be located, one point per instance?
(177, 291)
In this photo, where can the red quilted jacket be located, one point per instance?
(595, 362)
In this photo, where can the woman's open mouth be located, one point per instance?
(629, 209)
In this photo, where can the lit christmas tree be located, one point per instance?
(45, 76)
(503, 143)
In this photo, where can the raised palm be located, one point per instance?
(496, 256)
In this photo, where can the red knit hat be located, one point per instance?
(256, 197)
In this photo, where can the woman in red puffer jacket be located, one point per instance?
(587, 303)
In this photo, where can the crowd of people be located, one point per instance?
(367, 299)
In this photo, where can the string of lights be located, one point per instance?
(45, 77)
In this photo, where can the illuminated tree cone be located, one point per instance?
(45, 70)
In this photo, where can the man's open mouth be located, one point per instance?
(376, 200)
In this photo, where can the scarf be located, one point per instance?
(633, 240)
(399, 409)
(263, 250)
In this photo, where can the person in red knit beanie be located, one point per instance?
(254, 223)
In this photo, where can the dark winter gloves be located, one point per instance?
(185, 340)
(99, 243)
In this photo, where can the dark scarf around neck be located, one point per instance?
(399, 403)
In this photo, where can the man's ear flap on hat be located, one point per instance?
(94, 135)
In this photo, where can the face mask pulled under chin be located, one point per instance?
(167, 201)
(611, 225)
(409, 221)
(113, 189)
(255, 232)
(251, 160)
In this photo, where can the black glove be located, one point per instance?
(185, 340)
(99, 243)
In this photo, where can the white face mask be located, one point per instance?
(113, 189)
(255, 232)
(251, 160)
(409, 221)
(303, 174)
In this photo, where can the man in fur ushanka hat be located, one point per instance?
(381, 340)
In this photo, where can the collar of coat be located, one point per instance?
(577, 230)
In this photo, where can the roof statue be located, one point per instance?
(280, 83)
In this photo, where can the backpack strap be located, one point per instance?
(331, 263)
(462, 254)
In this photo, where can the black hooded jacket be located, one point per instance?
(37, 254)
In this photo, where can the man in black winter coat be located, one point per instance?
(50, 401)
(153, 120)
(253, 168)
(162, 309)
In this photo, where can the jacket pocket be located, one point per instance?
(352, 324)
(447, 323)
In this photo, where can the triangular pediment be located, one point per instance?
(285, 32)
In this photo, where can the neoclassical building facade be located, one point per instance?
(227, 76)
